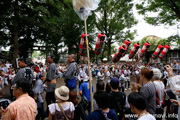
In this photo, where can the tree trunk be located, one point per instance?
(109, 50)
(15, 47)
(56, 54)
(77, 54)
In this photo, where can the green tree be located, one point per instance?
(25, 22)
(166, 12)
(19, 25)
(115, 18)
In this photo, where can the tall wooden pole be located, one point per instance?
(90, 84)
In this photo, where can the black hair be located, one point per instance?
(114, 85)
(52, 56)
(101, 98)
(138, 100)
(24, 84)
(22, 59)
(41, 75)
(100, 85)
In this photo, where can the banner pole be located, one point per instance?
(90, 84)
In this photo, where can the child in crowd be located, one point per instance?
(3, 78)
(11, 78)
(138, 105)
(104, 113)
(38, 91)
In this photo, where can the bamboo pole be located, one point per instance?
(90, 84)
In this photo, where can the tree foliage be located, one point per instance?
(115, 18)
(24, 23)
(167, 11)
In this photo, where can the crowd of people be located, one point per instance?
(154, 91)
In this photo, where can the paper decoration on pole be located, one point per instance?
(99, 43)
(83, 8)
(157, 51)
(120, 52)
(164, 51)
(126, 44)
(144, 49)
(83, 46)
(134, 50)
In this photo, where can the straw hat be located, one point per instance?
(62, 93)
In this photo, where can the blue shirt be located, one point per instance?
(86, 90)
(98, 115)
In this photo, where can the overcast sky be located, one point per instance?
(144, 29)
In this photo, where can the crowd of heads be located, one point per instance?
(137, 101)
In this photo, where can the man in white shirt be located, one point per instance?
(122, 79)
(109, 74)
(82, 74)
(100, 75)
(8, 64)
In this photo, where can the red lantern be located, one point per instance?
(127, 43)
(157, 51)
(99, 43)
(134, 50)
(122, 49)
(164, 51)
(83, 46)
(144, 49)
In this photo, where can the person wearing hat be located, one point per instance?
(85, 90)
(62, 93)
(117, 99)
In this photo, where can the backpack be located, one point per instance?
(173, 107)
(28, 74)
(84, 102)
(118, 104)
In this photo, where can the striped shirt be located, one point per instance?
(71, 71)
(52, 71)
